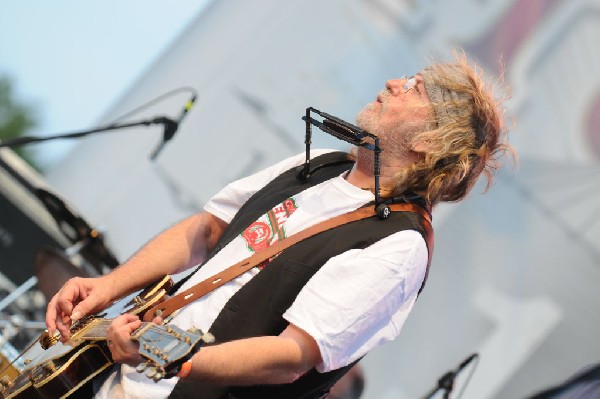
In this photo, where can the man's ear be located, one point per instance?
(419, 146)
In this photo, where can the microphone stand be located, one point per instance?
(78, 231)
(446, 381)
(18, 141)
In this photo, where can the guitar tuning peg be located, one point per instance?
(49, 366)
(46, 340)
(150, 372)
(141, 367)
(5, 382)
(158, 376)
(208, 338)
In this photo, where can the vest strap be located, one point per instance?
(178, 301)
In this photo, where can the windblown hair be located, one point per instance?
(463, 143)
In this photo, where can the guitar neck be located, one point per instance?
(97, 329)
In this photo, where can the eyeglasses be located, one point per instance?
(409, 84)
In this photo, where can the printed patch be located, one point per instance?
(269, 228)
(257, 236)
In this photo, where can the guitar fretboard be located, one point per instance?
(97, 329)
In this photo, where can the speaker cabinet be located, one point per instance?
(25, 224)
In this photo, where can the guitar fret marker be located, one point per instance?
(188, 296)
(216, 281)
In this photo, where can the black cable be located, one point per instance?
(155, 100)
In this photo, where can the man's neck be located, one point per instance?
(360, 178)
(362, 174)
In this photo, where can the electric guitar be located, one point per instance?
(64, 370)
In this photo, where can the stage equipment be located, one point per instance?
(85, 240)
(171, 127)
(37, 226)
(38, 231)
(446, 382)
(25, 224)
(354, 135)
(351, 134)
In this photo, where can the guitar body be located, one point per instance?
(67, 370)
(64, 376)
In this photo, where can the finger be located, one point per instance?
(51, 314)
(134, 325)
(157, 320)
(78, 313)
(123, 329)
(64, 328)
(56, 313)
(84, 306)
(119, 326)
(122, 320)
(64, 304)
(123, 349)
(57, 321)
(128, 317)
(131, 324)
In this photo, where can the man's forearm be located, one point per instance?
(252, 361)
(177, 248)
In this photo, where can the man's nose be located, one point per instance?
(393, 85)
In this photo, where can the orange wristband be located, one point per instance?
(185, 370)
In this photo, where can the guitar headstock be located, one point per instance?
(166, 348)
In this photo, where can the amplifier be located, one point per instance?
(25, 224)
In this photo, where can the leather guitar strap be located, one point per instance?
(178, 301)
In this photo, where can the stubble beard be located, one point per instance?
(367, 119)
(391, 138)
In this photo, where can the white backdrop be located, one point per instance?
(510, 279)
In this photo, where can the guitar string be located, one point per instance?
(28, 347)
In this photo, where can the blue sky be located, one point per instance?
(71, 60)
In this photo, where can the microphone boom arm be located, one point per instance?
(19, 141)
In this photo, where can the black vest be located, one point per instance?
(257, 308)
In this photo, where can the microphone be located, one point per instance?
(170, 127)
(465, 363)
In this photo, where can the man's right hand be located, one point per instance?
(77, 298)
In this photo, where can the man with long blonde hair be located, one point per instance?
(445, 134)
(293, 326)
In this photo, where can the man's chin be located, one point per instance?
(366, 120)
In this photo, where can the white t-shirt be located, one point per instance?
(357, 301)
